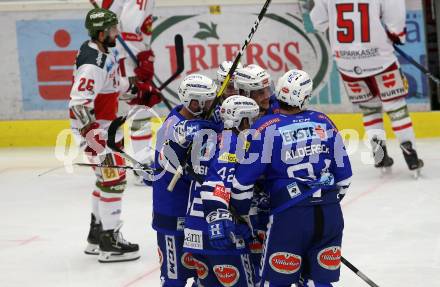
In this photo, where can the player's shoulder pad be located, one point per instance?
(88, 55)
(266, 121)
(323, 117)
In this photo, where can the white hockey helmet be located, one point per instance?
(198, 88)
(223, 70)
(251, 78)
(235, 108)
(295, 89)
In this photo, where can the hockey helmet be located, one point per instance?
(99, 19)
(235, 108)
(295, 89)
(198, 88)
(251, 78)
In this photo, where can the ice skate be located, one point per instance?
(414, 163)
(380, 154)
(114, 248)
(93, 237)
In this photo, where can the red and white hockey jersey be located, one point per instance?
(95, 85)
(358, 32)
(136, 25)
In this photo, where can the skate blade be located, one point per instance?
(417, 173)
(387, 170)
(111, 257)
(92, 249)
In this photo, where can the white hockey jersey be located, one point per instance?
(95, 85)
(358, 32)
(136, 25)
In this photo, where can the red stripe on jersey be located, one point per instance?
(402, 127)
(137, 138)
(112, 199)
(113, 182)
(96, 194)
(131, 37)
(372, 122)
(106, 106)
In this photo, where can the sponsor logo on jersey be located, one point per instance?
(188, 261)
(310, 150)
(330, 258)
(284, 262)
(268, 123)
(357, 54)
(171, 257)
(295, 133)
(201, 269)
(159, 252)
(228, 157)
(285, 90)
(293, 190)
(221, 192)
(227, 274)
(193, 239)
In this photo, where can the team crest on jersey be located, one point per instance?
(284, 262)
(330, 258)
(299, 132)
(188, 261)
(227, 274)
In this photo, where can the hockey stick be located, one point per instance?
(417, 65)
(179, 170)
(358, 273)
(178, 42)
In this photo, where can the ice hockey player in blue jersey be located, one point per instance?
(196, 93)
(307, 172)
(254, 82)
(217, 241)
(230, 90)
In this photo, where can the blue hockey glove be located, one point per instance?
(221, 229)
(326, 179)
(185, 131)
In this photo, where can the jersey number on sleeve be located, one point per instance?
(86, 84)
(346, 31)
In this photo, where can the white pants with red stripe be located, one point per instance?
(141, 135)
(397, 111)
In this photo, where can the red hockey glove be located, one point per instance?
(395, 38)
(145, 69)
(148, 95)
(92, 135)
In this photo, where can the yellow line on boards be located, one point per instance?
(29, 133)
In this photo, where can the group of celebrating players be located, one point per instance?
(263, 176)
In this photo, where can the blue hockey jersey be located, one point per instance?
(169, 208)
(218, 171)
(291, 151)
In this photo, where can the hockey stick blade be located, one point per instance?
(178, 43)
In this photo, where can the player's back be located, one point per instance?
(358, 32)
(304, 145)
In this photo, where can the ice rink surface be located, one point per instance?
(392, 224)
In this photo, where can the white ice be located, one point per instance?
(392, 224)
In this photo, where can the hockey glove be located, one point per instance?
(147, 95)
(95, 143)
(326, 179)
(145, 69)
(185, 131)
(221, 229)
(395, 38)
